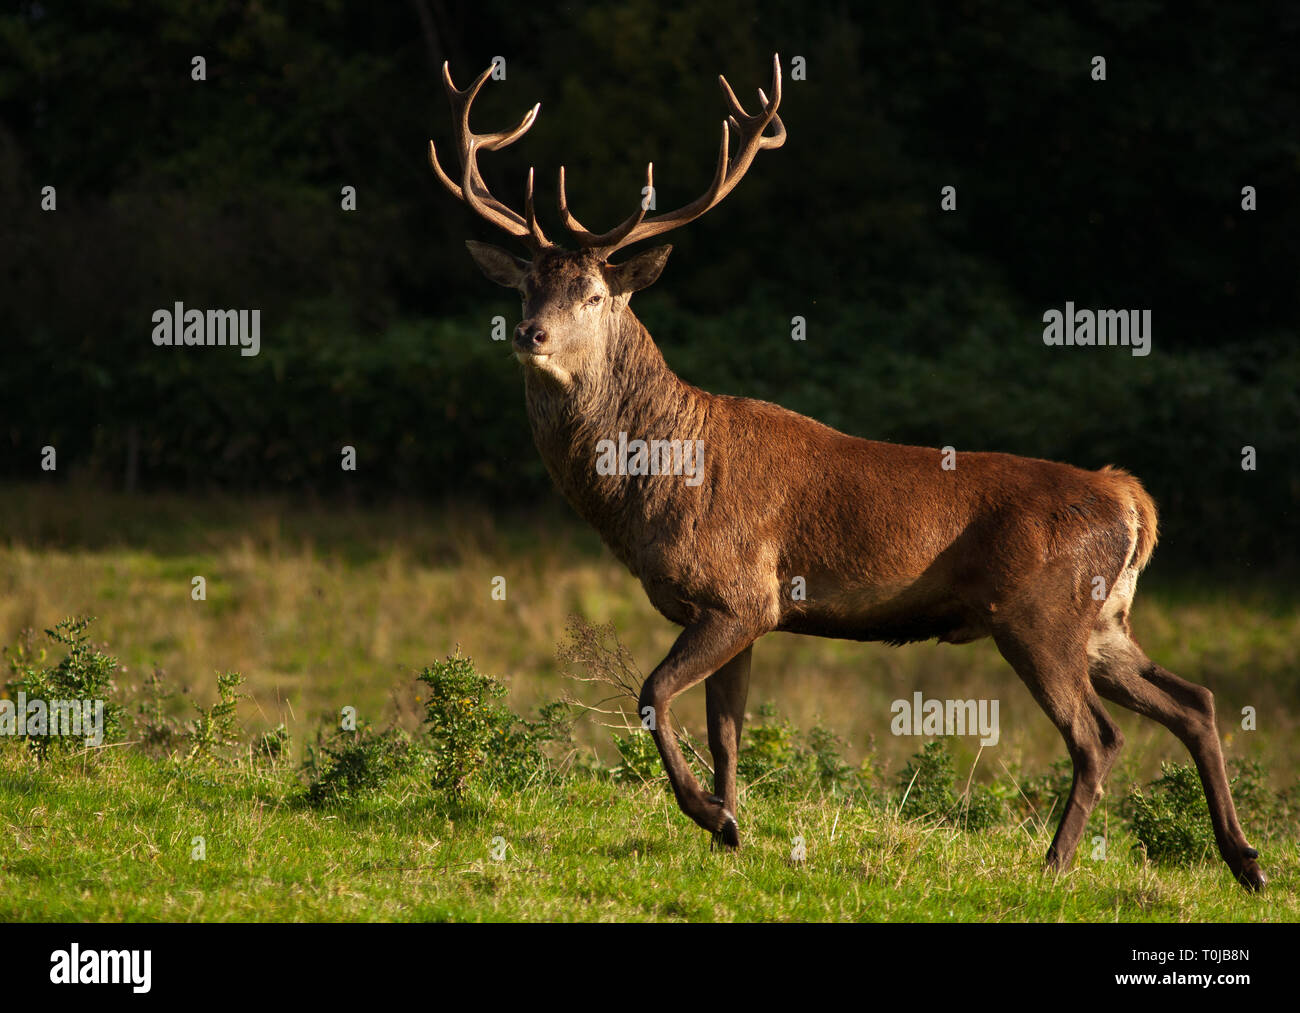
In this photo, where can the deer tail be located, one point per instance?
(1144, 507)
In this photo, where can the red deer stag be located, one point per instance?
(891, 546)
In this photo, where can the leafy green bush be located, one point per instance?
(82, 675)
(216, 728)
(1259, 806)
(768, 751)
(273, 745)
(775, 757)
(639, 756)
(926, 783)
(212, 735)
(978, 809)
(926, 787)
(473, 737)
(1171, 820)
(349, 764)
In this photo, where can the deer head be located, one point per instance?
(575, 302)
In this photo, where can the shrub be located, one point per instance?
(1260, 808)
(639, 756)
(775, 757)
(83, 674)
(349, 764)
(822, 748)
(1171, 821)
(978, 809)
(155, 730)
(273, 745)
(473, 736)
(216, 728)
(926, 783)
(768, 752)
(594, 654)
(926, 787)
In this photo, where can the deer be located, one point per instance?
(892, 546)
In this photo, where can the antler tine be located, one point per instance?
(530, 216)
(775, 140)
(566, 216)
(472, 189)
(750, 130)
(614, 237)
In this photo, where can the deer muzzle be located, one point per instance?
(531, 340)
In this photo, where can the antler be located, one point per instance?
(472, 190)
(725, 176)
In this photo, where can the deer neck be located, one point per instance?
(638, 398)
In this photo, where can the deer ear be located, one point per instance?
(639, 272)
(502, 267)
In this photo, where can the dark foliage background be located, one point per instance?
(923, 326)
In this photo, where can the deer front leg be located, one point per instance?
(703, 648)
(726, 691)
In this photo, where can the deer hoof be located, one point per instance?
(1249, 874)
(728, 838)
(727, 835)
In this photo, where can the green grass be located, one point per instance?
(321, 608)
(114, 843)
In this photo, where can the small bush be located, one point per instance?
(473, 736)
(1250, 791)
(768, 752)
(83, 674)
(274, 745)
(639, 756)
(775, 757)
(822, 747)
(594, 654)
(926, 791)
(978, 809)
(216, 729)
(349, 764)
(155, 730)
(1261, 809)
(1171, 820)
(925, 784)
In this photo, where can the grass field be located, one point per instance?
(118, 846)
(325, 608)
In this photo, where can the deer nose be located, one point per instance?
(529, 335)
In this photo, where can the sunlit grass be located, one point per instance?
(118, 842)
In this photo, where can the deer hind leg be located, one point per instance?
(1056, 672)
(702, 649)
(1122, 672)
(726, 691)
